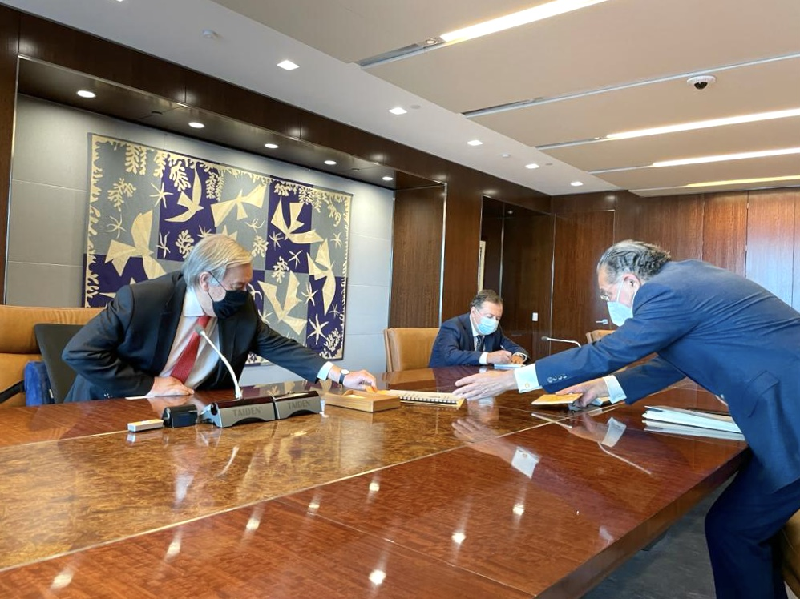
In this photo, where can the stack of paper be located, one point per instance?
(691, 422)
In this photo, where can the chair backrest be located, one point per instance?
(52, 339)
(597, 334)
(407, 349)
(18, 342)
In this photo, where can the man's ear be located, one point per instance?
(203, 280)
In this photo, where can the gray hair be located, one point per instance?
(642, 259)
(214, 254)
(486, 295)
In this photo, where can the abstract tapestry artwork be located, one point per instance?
(148, 207)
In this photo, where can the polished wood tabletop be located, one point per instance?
(419, 501)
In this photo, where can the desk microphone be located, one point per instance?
(201, 331)
(546, 338)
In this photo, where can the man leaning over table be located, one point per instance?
(476, 337)
(144, 342)
(732, 337)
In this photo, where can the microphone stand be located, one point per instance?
(546, 338)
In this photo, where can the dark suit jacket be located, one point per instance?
(726, 333)
(455, 345)
(121, 351)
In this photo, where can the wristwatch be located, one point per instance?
(343, 373)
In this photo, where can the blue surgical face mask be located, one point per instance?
(486, 325)
(619, 312)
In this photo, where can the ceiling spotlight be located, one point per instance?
(531, 165)
(387, 178)
(576, 183)
(196, 125)
(271, 146)
(287, 65)
(475, 142)
(85, 93)
(330, 162)
(397, 110)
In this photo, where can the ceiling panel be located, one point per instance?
(768, 135)
(698, 173)
(614, 42)
(769, 86)
(351, 30)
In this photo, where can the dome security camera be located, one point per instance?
(701, 81)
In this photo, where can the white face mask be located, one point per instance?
(619, 312)
(486, 325)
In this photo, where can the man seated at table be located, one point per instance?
(476, 337)
(145, 343)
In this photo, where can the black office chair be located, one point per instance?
(52, 339)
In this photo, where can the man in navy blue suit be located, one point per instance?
(732, 337)
(476, 337)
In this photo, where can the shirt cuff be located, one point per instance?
(484, 359)
(614, 434)
(526, 378)
(615, 392)
(322, 375)
(524, 461)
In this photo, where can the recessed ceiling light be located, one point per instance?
(398, 110)
(330, 162)
(744, 181)
(387, 178)
(181, 104)
(196, 125)
(726, 157)
(576, 183)
(271, 146)
(731, 120)
(287, 65)
(85, 93)
(531, 165)
(475, 142)
(522, 17)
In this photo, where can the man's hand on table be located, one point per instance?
(591, 390)
(500, 356)
(486, 384)
(166, 385)
(361, 380)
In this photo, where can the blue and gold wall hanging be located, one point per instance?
(148, 207)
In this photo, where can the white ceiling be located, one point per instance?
(655, 44)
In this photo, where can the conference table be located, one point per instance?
(493, 499)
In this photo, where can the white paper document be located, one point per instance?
(693, 418)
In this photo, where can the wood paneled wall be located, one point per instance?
(527, 278)
(756, 234)
(9, 37)
(417, 257)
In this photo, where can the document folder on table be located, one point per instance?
(693, 418)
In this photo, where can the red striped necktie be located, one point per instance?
(185, 362)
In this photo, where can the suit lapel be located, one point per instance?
(170, 317)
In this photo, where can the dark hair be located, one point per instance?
(642, 259)
(486, 295)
